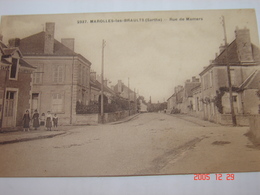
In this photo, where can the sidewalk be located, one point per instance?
(195, 120)
(18, 135)
(125, 119)
(21, 136)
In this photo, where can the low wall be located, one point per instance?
(226, 119)
(86, 119)
(93, 119)
(254, 130)
(113, 117)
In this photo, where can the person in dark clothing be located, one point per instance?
(43, 119)
(48, 121)
(26, 121)
(55, 120)
(35, 119)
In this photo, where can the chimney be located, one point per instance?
(221, 48)
(244, 48)
(194, 79)
(188, 80)
(93, 76)
(68, 42)
(49, 38)
(14, 42)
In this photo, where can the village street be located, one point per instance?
(150, 143)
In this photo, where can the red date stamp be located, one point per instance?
(217, 176)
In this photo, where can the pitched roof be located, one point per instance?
(34, 45)
(124, 87)
(23, 63)
(232, 54)
(233, 57)
(189, 86)
(251, 82)
(96, 84)
(5, 62)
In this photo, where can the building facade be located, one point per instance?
(15, 85)
(243, 59)
(62, 77)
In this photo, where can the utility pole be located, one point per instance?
(102, 82)
(128, 97)
(234, 121)
(135, 103)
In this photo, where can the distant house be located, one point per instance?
(62, 76)
(143, 106)
(95, 87)
(243, 58)
(197, 101)
(95, 84)
(171, 103)
(179, 91)
(188, 102)
(124, 91)
(15, 85)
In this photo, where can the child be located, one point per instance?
(35, 119)
(48, 120)
(55, 120)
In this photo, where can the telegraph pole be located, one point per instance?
(128, 97)
(234, 121)
(102, 82)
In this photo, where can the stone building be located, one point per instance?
(62, 76)
(243, 58)
(124, 91)
(15, 85)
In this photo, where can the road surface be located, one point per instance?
(149, 144)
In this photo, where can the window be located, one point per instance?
(37, 75)
(234, 98)
(9, 105)
(57, 103)
(14, 69)
(79, 74)
(211, 78)
(58, 74)
(83, 76)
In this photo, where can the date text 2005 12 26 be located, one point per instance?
(217, 176)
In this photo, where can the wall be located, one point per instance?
(225, 119)
(94, 119)
(254, 130)
(251, 101)
(113, 117)
(86, 119)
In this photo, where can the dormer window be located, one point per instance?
(14, 69)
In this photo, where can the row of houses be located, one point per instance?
(207, 97)
(39, 72)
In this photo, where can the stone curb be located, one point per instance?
(24, 139)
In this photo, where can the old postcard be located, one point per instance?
(129, 94)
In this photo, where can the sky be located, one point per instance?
(155, 50)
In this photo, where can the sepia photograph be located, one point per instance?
(142, 93)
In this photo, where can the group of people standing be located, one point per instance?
(47, 120)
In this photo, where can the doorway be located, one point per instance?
(9, 116)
